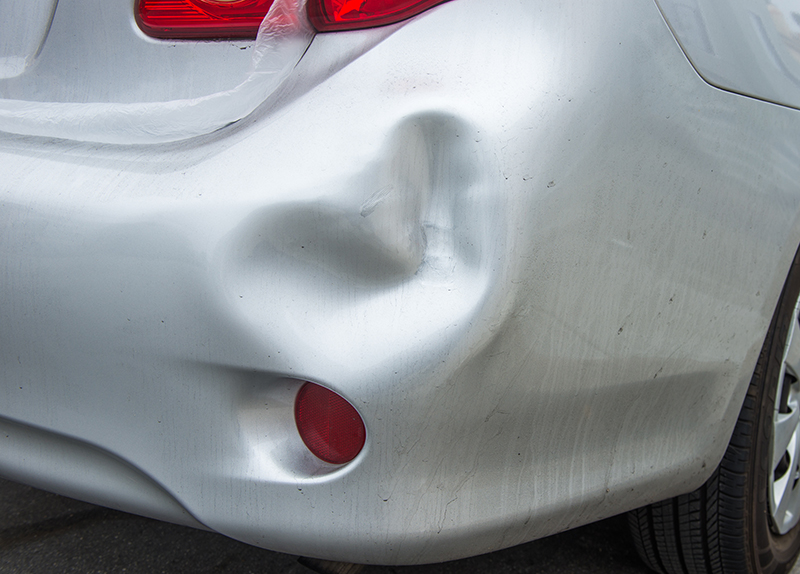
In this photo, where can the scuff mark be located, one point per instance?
(376, 198)
(444, 517)
(495, 411)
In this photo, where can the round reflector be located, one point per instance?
(329, 426)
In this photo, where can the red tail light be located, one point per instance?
(329, 426)
(330, 15)
(202, 18)
(241, 18)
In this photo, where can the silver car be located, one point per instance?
(404, 281)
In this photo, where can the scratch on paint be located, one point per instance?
(373, 200)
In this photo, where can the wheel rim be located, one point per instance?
(784, 490)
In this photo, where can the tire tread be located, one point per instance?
(711, 530)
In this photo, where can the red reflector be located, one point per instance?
(330, 15)
(329, 425)
(201, 18)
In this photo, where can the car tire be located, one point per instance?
(744, 519)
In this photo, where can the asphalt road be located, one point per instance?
(43, 533)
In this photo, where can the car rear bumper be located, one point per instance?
(481, 246)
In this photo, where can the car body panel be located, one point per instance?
(95, 52)
(141, 90)
(540, 264)
(24, 25)
(746, 46)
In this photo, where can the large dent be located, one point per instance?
(409, 236)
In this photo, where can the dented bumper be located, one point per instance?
(532, 315)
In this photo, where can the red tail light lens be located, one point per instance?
(201, 18)
(330, 15)
(329, 426)
(241, 18)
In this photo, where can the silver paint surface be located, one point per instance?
(746, 46)
(540, 263)
(24, 25)
(152, 116)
